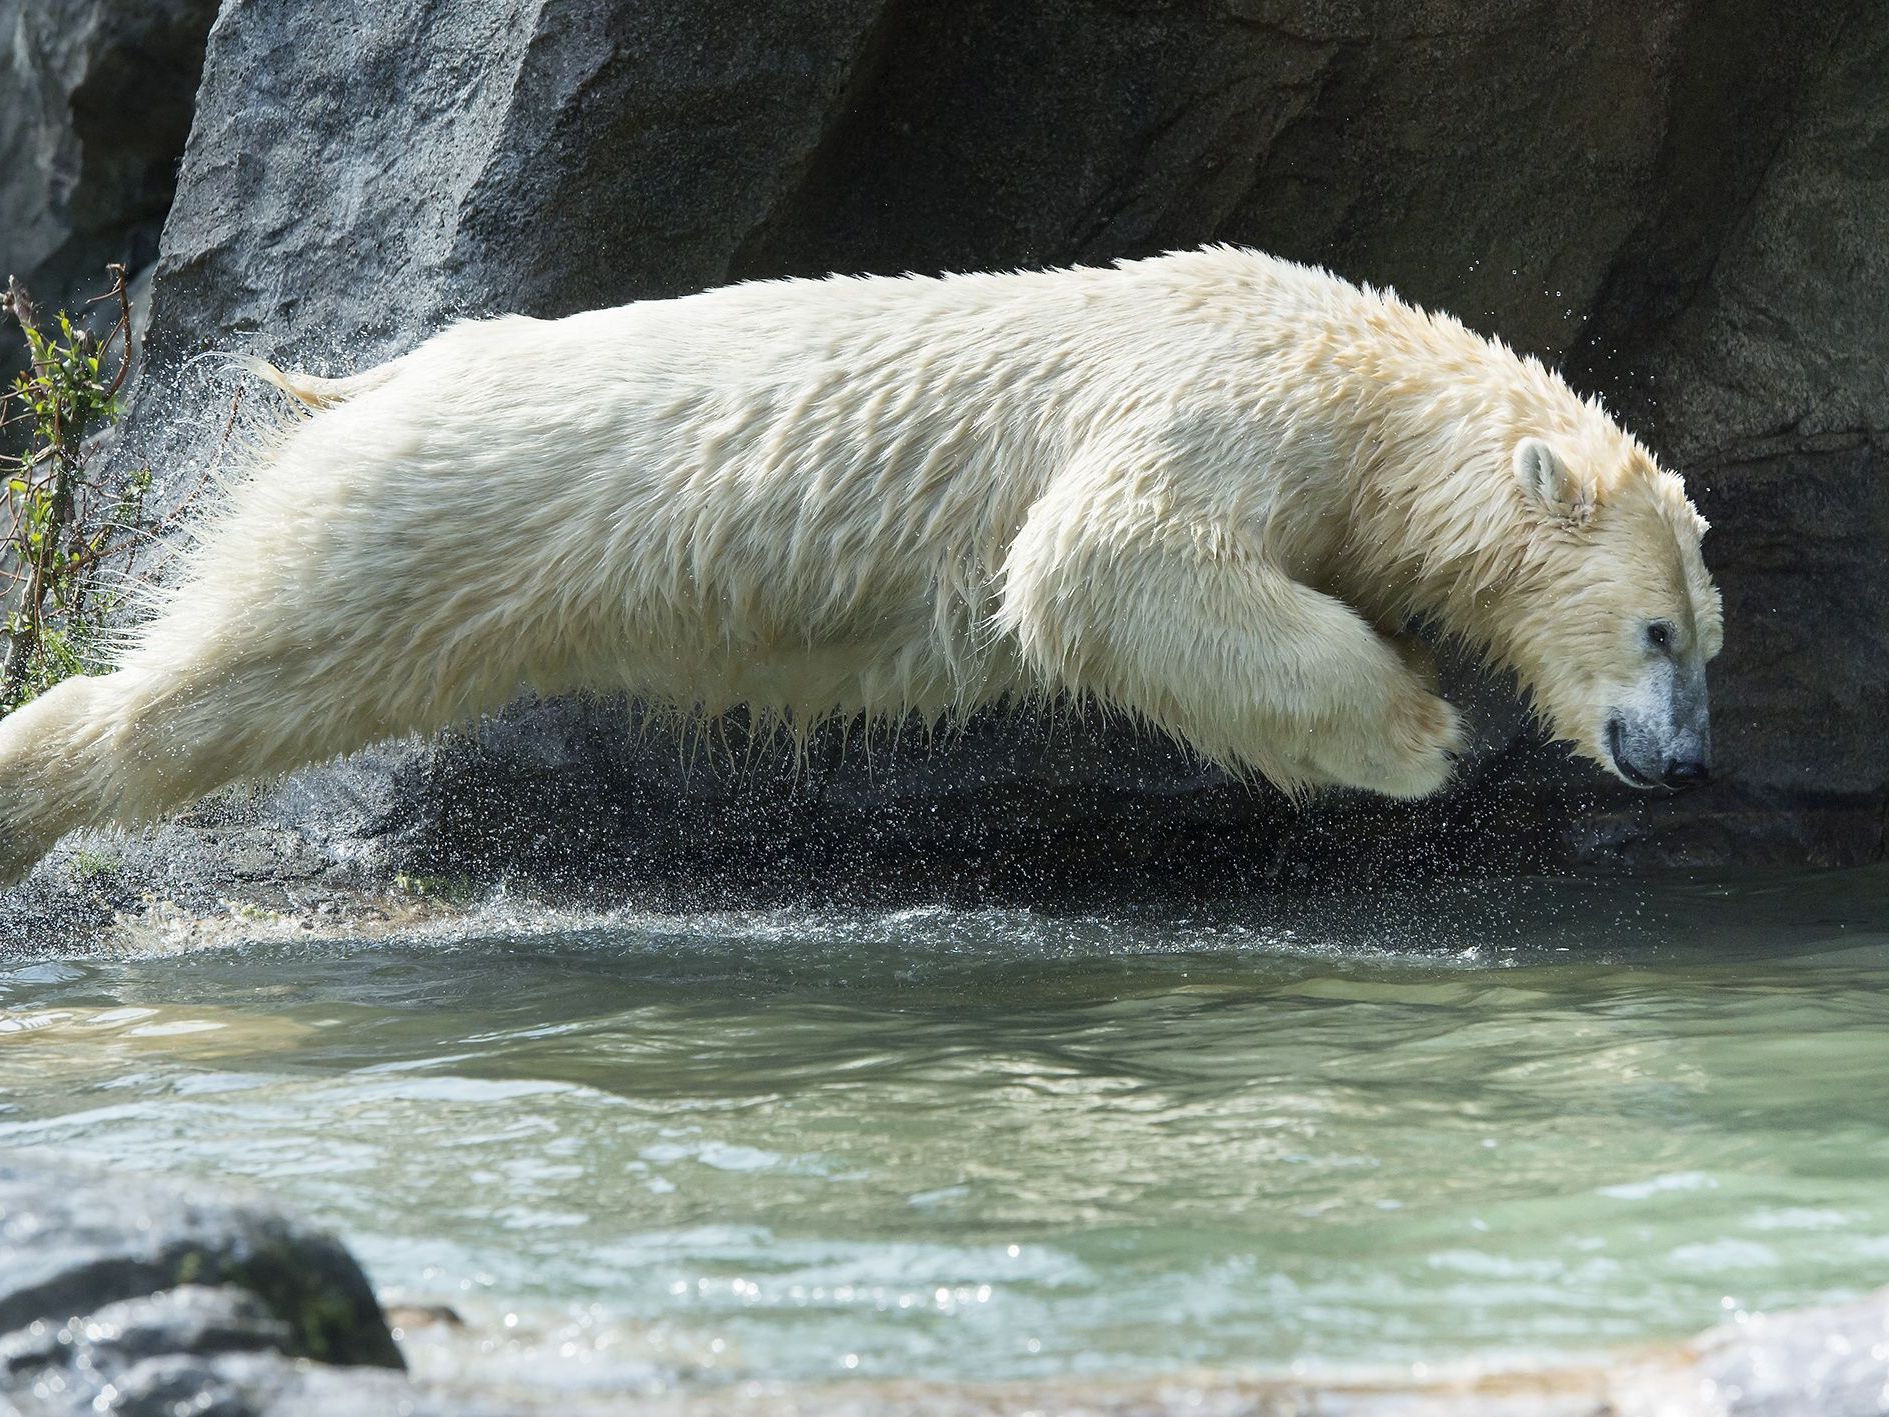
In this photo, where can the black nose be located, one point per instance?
(1686, 772)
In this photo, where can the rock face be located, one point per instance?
(96, 99)
(1681, 203)
(1768, 384)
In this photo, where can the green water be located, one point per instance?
(1499, 1120)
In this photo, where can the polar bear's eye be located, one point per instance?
(1659, 634)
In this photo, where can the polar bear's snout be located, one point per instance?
(1662, 734)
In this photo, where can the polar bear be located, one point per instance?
(1206, 490)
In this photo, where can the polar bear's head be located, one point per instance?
(1618, 615)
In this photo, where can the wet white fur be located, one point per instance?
(1203, 490)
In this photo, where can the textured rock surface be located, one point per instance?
(350, 187)
(1682, 202)
(95, 104)
(133, 1291)
(1769, 386)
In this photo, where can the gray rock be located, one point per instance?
(127, 1296)
(238, 1384)
(192, 1318)
(349, 188)
(1765, 378)
(1832, 1361)
(270, 1385)
(149, 1270)
(96, 98)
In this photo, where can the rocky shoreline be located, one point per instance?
(133, 1297)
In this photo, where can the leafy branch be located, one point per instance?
(64, 521)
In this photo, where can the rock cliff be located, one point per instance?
(1682, 204)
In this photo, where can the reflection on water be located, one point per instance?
(1500, 1119)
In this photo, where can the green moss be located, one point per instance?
(89, 866)
(454, 890)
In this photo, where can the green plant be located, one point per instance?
(65, 522)
(89, 865)
(453, 890)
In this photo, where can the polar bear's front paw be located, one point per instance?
(1411, 753)
(1429, 738)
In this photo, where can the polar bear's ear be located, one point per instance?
(1550, 484)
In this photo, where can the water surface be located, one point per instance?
(1502, 1120)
